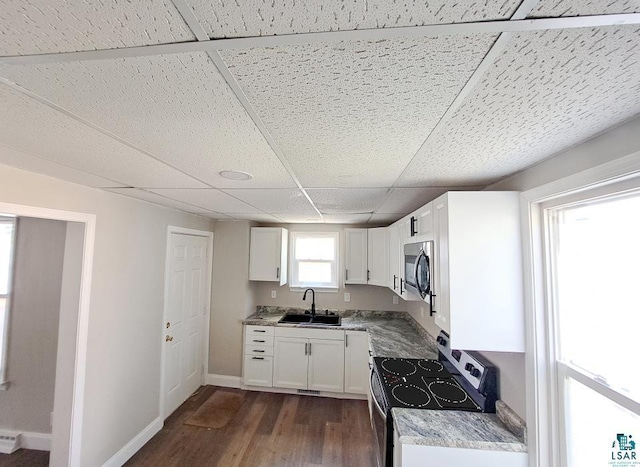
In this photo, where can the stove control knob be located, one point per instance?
(469, 367)
(475, 372)
(442, 341)
(456, 354)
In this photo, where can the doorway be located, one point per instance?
(185, 332)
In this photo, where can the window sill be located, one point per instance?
(316, 289)
(4, 386)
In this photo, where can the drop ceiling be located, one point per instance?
(344, 112)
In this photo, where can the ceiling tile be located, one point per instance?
(406, 200)
(34, 128)
(384, 219)
(257, 217)
(35, 27)
(347, 200)
(549, 90)
(300, 218)
(269, 17)
(346, 218)
(32, 163)
(354, 113)
(211, 199)
(549, 8)
(275, 201)
(163, 201)
(176, 107)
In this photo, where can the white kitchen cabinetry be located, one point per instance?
(394, 257)
(258, 356)
(378, 256)
(418, 225)
(268, 254)
(355, 256)
(309, 359)
(356, 362)
(478, 270)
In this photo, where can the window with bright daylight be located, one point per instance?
(7, 227)
(314, 259)
(594, 258)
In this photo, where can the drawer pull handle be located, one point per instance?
(259, 330)
(258, 340)
(257, 358)
(259, 351)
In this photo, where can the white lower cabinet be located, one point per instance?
(258, 356)
(258, 371)
(309, 359)
(356, 362)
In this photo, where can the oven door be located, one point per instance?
(381, 423)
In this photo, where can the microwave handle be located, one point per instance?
(422, 292)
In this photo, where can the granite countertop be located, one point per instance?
(396, 334)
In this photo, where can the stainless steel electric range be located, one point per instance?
(457, 380)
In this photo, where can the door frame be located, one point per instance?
(80, 364)
(172, 229)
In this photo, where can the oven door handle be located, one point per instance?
(373, 397)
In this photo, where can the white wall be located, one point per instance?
(27, 404)
(232, 296)
(125, 321)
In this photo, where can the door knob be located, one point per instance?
(168, 338)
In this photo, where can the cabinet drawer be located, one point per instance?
(258, 371)
(258, 339)
(258, 332)
(310, 333)
(258, 350)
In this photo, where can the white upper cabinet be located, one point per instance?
(378, 256)
(355, 256)
(268, 254)
(419, 225)
(394, 257)
(478, 270)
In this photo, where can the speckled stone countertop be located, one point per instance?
(396, 334)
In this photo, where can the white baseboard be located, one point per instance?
(11, 441)
(36, 441)
(223, 381)
(133, 446)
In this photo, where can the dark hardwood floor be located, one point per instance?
(269, 430)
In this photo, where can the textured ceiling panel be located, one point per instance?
(257, 217)
(347, 200)
(36, 26)
(213, 200)
(300, 219)
(269, 17)
(290, 201)
(35, 128)
(547, 91)
(35, 164)
(406, 200)
(548, 8)
(346, 218)
(355, 113)
(177, 107)
(384, 219)
(161, 200)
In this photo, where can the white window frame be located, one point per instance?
(293, 264)
(4, 382)
(544, 401)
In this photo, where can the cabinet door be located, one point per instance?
(268, 254)
(394, 257)
(258, 370)
(378, 256)
(326, 365)
(355, 256)
(425, 222)
(290, 362)
(356, 362)
(441, 267)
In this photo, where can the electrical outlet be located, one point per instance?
(422, 312)
(395, 299)
(347, 297)
(273, 294)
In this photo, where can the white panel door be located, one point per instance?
(378, 256)
(290, 362)
(184, 319)
(356, 362)
(326, 365)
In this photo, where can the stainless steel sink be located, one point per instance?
(325, 320)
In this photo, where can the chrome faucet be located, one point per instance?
(313, 300)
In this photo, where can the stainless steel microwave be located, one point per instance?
(418, 270)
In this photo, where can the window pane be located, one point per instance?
(593, 425)
(322, 248)
(598, 274)
(314, 272)
(6, 238)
